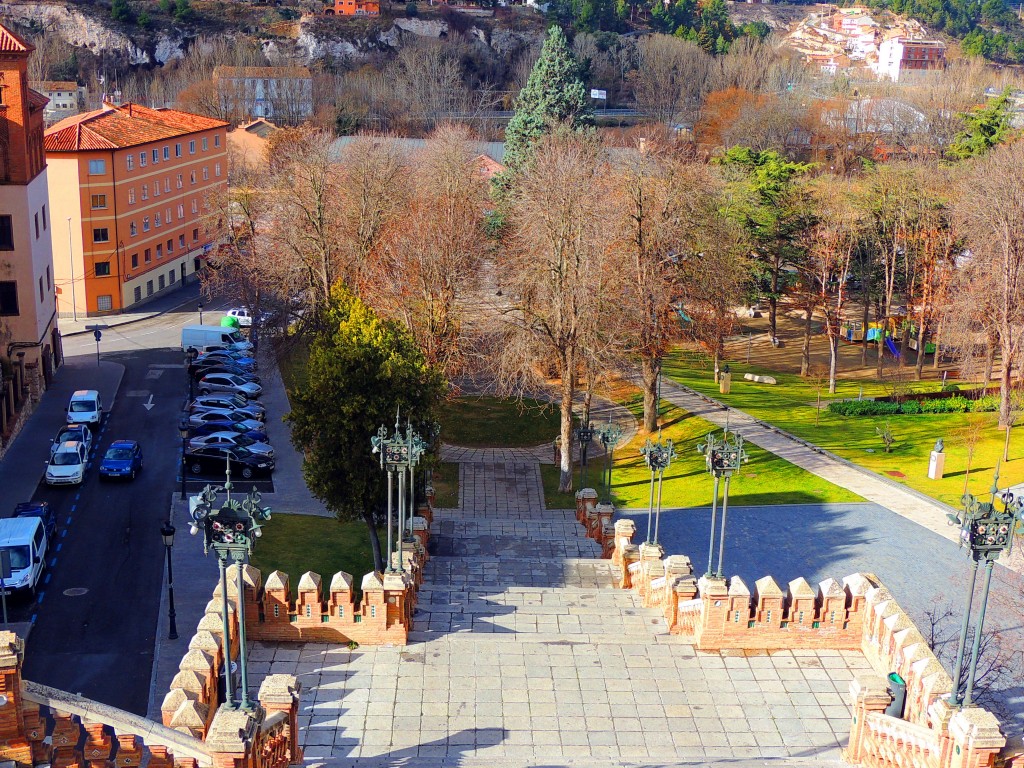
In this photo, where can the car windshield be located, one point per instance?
(19, 557)
(235, 380)
(83, 406)
(236, 337)
(236, 417)
(119, 454)
(69, 434)
(66, 459)
(238, 400)
(242, 441)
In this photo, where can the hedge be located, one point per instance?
(954, 404)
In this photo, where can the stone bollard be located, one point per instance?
(421, 531)
(868, 693)
(584, 497)
(232, 737)
(976, 738)
(280, 693)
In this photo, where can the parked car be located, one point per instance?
(221, 415)
(85, 407)
(43, 511)
(243, 316)
(227, 382)
(122, 459)
(229, 402)
(233, 439)
(235, 358)
(198, 371)
(205, 337)
(213, 458)
(67, 464)
(227, 426)
(26, 543)
(78, 432)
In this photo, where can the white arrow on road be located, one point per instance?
(149, 404)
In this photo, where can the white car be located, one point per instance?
(67, 464)
(78, 432)
(241, 315)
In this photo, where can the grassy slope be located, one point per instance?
(493, 422)
(790, 405)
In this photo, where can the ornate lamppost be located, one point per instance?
(398, 453)
(609, 436)
(230, 532)
(167, 534)
(987, 533)
(723, 457)
(584, 434)
(658, 456)
(417, 447)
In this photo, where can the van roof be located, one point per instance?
(81, 394)
(18, 530)
(69, 445)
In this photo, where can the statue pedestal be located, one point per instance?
(936, 465)
(724, 383)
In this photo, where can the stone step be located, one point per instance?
(683, 759)
(644, 636)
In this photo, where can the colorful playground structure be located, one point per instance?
(855, 333)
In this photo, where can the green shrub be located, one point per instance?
(411, 11)
(986, 404)
(950, 388)
(911, 408)
(954, 404)
(863, 408)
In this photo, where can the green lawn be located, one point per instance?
(295, 544)
(766, 479)
(790, 406)
(477, 422)
(446, 485)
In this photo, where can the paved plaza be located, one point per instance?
(524, 653)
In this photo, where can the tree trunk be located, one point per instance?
(588, 395)
(990, 355)
(773, 305)
(650, 367)
(936, 355)
(904, 337)
(864, 329)
(805, 355)
(1006, 390)
(378, 557)
(884, 323)
(568, 387)
(922, 330)
(833, 362)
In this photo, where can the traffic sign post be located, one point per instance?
(97, 333)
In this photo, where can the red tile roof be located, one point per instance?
(126, 125)
(11, 43)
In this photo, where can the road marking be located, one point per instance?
(78, 496)
(61, 544)
(33, 619)
(64, 533)
(68, 521)
(47, 580)
(149, 405)
(53, 562)
(40, 600)
(157, 374)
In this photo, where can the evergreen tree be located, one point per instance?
(554, 95)
(984, 127)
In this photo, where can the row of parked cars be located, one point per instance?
(224, 419)
(71, 449)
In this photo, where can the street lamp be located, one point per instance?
(190, 358)
(584, 434)
(658, 456)
(609, 436)
(183, 434)
(230, 532)
(723, 458)
(398, 453)
(200, 313)
(988, 533)
(167, 532)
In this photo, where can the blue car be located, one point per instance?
(122, 459)
(43, 511)
(227, 426)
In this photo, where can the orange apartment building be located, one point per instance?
(354, 8)
(28, 332)
(128, 189)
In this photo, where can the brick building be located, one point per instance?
(27, 315)
(354, 8)
(899, 56)
(130, 184)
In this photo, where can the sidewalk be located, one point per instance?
(188, 296)
(19, 478)
(928, 513)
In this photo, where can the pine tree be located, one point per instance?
(984, 127)
(554, 95)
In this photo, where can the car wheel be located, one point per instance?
(247, 472)
(196, 468)
(204, 391)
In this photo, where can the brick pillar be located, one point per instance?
(710, 630)
(13, 742)
(65, 740)
(605, 513)
(309, 606)
(624, 532)
(159, 757)
(425, 509)
(868, 693)
(421, 530)
(976, 738)
(97, 744)
(397, 587)
(129, 750)
(280, 693)
(232, 737)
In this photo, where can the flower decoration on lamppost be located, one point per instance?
(230, 531)
(584, 434)
(658, 456)
(723, 457)
(609, 436)
(987, 532)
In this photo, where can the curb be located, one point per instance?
(149, 316)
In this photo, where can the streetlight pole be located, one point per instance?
(167, 532)
(987, 533)
(231, 532)
(723, 457)
(659, 456)
(399, 453)
(183, 433)
(609, 435)
(584, 434)
(71, 263)
(200, 313)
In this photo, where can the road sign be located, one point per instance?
(598, 94)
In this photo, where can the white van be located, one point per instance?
(85, 407)
(203, 338)
(24, 538)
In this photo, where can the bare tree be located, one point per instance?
(669, 78)
(555, 264)
(433, 257)
(990, 293)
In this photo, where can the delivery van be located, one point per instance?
(24, 540)
(203, 338)
(85, 407)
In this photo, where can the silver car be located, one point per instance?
(263, 450)
(229, 402)
(228, 382)
(220, 415)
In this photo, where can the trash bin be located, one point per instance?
(898, 690)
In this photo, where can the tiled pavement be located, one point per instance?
(523, 653)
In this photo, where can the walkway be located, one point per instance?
(523, 652)
(907, 503)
